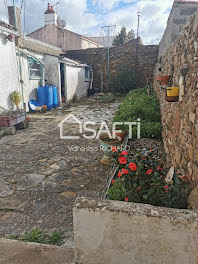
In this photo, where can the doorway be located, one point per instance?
(63, 88)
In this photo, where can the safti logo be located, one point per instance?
(86, 127)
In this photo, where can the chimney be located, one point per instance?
(50, 16)
(14, 18)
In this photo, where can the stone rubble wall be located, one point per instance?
(180, 119)
(144, 62)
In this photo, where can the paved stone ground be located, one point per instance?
(40, 177)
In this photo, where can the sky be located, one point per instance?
(88, 16)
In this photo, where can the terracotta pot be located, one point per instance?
(121, 135)
(164, 80)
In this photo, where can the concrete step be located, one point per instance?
(17, 252)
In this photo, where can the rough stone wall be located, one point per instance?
(180, 13)
(118, 232)
(180, 119)
(97, 58)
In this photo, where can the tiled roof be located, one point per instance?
(3, 24)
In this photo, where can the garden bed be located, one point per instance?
(141, 174)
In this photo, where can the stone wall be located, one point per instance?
(118, 232)
(144, 62)
(180, 13)
(180, 119)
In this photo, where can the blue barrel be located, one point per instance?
(45, 96)
(55, 96)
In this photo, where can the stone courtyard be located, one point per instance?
(41, 176)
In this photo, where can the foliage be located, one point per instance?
(130, 35)
(138, 104)
(16, 98)
(124, 79)
(142, 179)
(39, 236)
(123, 37)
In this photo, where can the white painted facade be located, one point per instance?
(9, 71)
(76, 84)
(30, 86)
(52, 72)
(51, 19)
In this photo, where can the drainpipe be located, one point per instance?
(19, 55)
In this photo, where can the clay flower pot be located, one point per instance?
(164, 80)
(120, 135)
(106, 145)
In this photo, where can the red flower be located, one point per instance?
(133, 166)
(166, 188)
(151, 150)
(112, 181)
(120, 174)
(125, 171)
(124, 153)
(149, 172)
(122, 160)
(143, 158)
(159, 168)
(126, 199)
(114, 149)
(139, 188)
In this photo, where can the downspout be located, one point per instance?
(20, 71)
(19, 55)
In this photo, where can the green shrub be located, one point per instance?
(117, 191)
(123, 79)
(39, 236)
(138, 104)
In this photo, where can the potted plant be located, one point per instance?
(16, 99)
(164, 80)
(172, 94)
(121, 134)
(108, 145)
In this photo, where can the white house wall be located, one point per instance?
(52, 72)
(9, 73)
(30, 87)
(75, 82)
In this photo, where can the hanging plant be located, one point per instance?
(16, 98)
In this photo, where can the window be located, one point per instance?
(35, 69)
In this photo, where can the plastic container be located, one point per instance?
(33, 105)
(55, 96)
(45, 96)
(172, 91)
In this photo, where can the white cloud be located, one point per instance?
(154, 15)
(88, 16)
